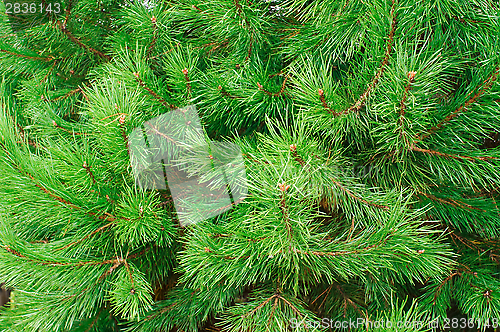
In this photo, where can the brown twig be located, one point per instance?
(223, 208)
(325, 105)
(186, 77)
(254, 160)
(273, 310)
(238, 7)
(89, 171)
(64, 28)
(390, 40)
(130, 276)
(87, 236)
(291, 306)
(23, 136)
(249, 53)
(325, 291)
(227, 94)
(155, 37)
(293, 149)
(402, 106)
(82, 45)
(105, 216)
(151, 92)
(164, 53)
(464, 241)
(348, 192)
(159, 133)
(124, 131)
(452, 202)
(76, 264)
(47, 59)
(442, 284)
(197, 8)
(259, 306)
(452, 156)
(275, 296)
(462, 20)
(94, 321)
(68, 94)
(308, 253)
(284, 210)
(48, 72)
(347, 299)
(282, 90)
(54, 123)
(481, 89)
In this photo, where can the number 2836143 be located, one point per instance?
(32, 7)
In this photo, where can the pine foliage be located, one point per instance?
(369, 132)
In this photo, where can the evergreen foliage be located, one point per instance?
(370, 137)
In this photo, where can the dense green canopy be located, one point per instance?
(369, 174)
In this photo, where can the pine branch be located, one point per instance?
(351, 194)
(402, 106)
(159, 133)
(275, 296)
(87, 236)
(44, 79)
(82, 45)
(89, 172)
(481, 89)
(330, 226)
(443, 283)
(325, 105)
(118, 260)
(351, 302)
(64, 28)
(155, 37)
(467, 243)
(249, 53)
(293, 149)
(101, 215)
(151, 92)
(46, 59)
(254, 160)
(468, 20)
(23, 137)
(276, 94)
(275, 304)
(450, 156)
(94, 321)
(390, 40)
(284, 210)
(164, 53)
(68, 94)
(327, 291)
(259, 306)
(161, 311)
(452, 202)
(227, 94)
(54, 123)
(186, 77)
(225, 207)
(306, 253)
